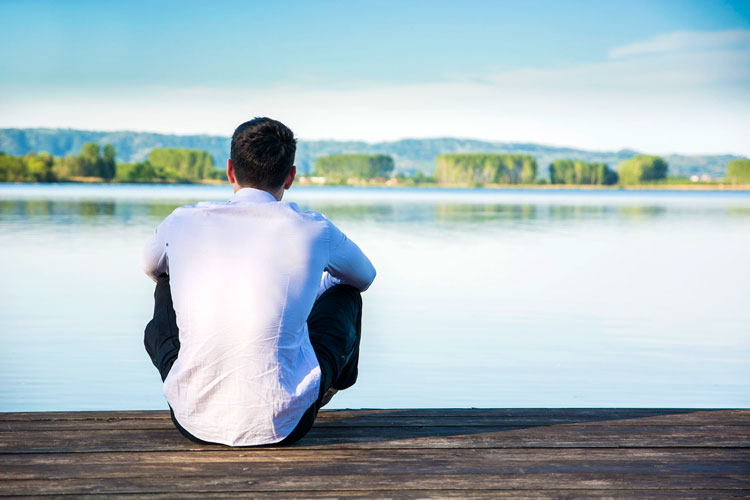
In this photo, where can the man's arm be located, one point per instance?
(347, 263)
(155, 253)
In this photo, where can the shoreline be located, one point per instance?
(541, 187)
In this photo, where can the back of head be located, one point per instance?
(262, 153)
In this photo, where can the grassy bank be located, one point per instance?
(661, 186)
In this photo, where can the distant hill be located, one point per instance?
(410, 155)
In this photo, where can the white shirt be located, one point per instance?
(244, 275)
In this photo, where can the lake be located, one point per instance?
(484, 297)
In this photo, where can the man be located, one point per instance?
(258, 309)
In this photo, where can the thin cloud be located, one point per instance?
(690, 100)
(680, 41)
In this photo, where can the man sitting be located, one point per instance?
(257, 304)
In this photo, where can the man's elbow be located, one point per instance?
(368, 279)
(151, 272)
(152, 266)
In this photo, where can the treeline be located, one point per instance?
(98, 163)
(522, 169)
(641, 169)
(477, 169)
(581, 172)
(738, 172)
(29, 168)
(339, 169)
(95, 162)
(92, 161)
(170, 164)
(492, 168)
(411, 155)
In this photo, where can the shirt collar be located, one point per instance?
(252, 195)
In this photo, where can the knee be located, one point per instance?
(340, 305)
(344, 294)
(350, 293)
(352, 297)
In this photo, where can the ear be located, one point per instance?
(290, 178)
(230, 172)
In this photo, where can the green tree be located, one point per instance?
(421, 178)
(90, 160)
(39, 168)
(218, 174)
(642, 168)
(69, 166)
(182, 164)
(494, 168)
(12, 168)
(108, 167)
(581, 172)
(738, 172)
(136, 172)
(340, 168)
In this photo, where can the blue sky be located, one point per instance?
(657, 76)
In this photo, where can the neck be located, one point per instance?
(276, 193)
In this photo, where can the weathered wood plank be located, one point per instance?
(395, 494)
(321, 462)
(496, 453)
(380, 419)
(84, 415)
(295, 454)
(556, 436)
(552, 413)
(257, 483)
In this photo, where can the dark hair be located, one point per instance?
(262, 153)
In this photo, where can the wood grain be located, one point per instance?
(411, 453)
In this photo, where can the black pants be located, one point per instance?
(335, 330)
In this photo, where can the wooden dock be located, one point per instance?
(456, 453)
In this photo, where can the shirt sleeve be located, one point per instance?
(154, 261)
(347, 264)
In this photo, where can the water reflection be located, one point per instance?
(636, 212)
(465, 213)
(85, 211)
(483, 297)
(738, 211)
(444, 213)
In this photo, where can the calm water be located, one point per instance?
(489, 298)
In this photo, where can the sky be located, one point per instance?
(656, 76)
